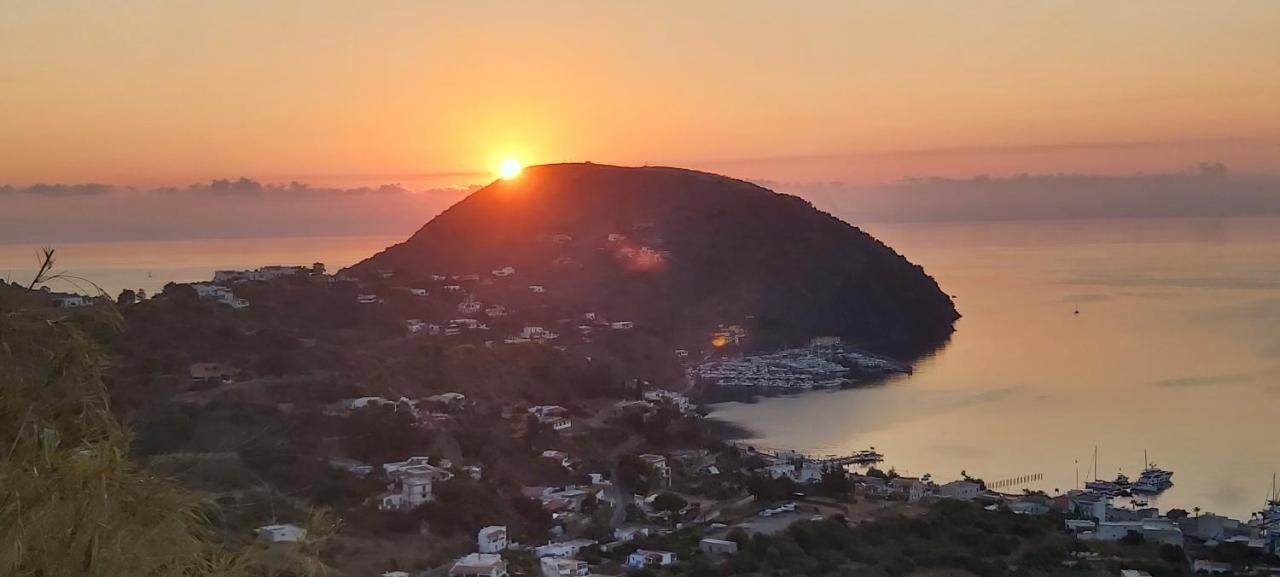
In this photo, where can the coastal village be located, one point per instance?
(637, 484)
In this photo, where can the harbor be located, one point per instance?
(824, 362)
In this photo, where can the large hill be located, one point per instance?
(676, 252)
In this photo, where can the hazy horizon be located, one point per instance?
(246, 208)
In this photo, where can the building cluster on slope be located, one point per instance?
(264, 274)
(219, 294)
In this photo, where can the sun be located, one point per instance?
(510, 168)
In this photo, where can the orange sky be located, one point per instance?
(337, 91)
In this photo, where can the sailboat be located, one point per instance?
(1120, 486)
(1271, 514)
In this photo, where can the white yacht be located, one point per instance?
(1153, 480)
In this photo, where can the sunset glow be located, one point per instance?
(1148, 92)
(510, 168)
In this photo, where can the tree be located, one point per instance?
(669, 502)
(74, 504)
(126, 297)
(634, 474)
(1173, 554)
(765, 488)
(835, 481)
(377, 434)
(1132, 538)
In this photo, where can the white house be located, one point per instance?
(1031, 506)
(71, 301)
(963, 490)
(622, 325)
(547, 413)
(407, 493)
(470, 306)
(495, 311)
(912, 488)
(493, 539)
(646, 558)
(266, 273)
(479, 565)
(631, 533)
(219, 294)
(659, 465)
(537, 288)
(536, 333)
(449, 398)
(616, 237)
(713, 546)
(286, 533)
(1152, 530)
(1211, 567)
(418, 292)
(680, 401)
(367, 299)
(554, 567)
(553, 415)
(561, 424)
(1077, 526)
(1089, 505)
(563, 549)
(417, 467)
(415, 325)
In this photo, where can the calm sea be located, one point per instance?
(1175, 351)
(149, 265)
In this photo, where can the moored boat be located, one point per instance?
(1153, 479)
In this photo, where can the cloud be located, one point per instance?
(1086, 297)
(1208, 380)
(59, 190)
(219, 208)
(295, 189)
(241, 187)
(973, 452)
(1207, 190)
(961, 151)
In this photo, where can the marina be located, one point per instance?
(823, 363)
